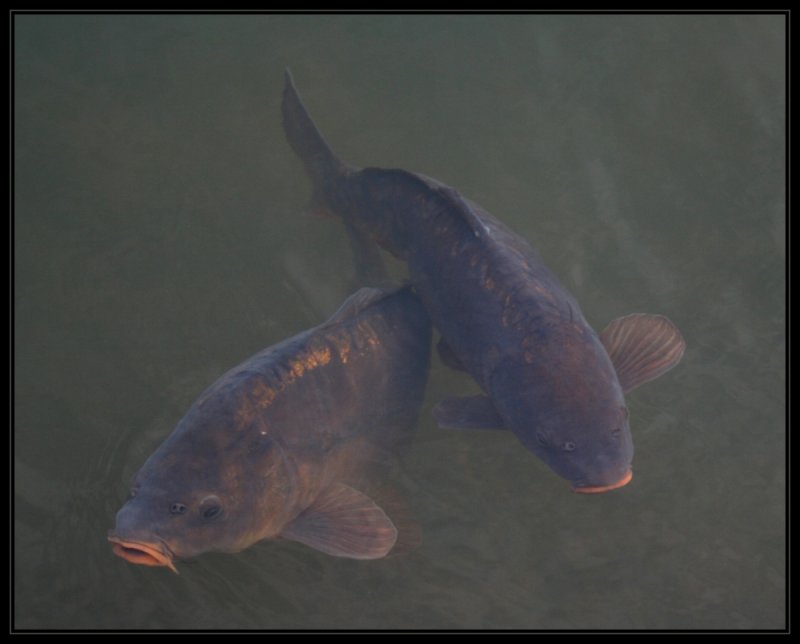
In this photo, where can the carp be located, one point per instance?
(504, 317)
(280, 445)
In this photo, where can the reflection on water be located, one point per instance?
(160, 238)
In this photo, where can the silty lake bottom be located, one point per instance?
(160, 239)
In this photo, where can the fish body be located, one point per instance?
(504, 317)
(279, 445)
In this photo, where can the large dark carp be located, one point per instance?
(278, 446)
(503, 316)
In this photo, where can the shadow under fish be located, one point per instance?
(279, 445)
(503, 315)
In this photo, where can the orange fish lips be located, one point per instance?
(597, 489)
(144, 554)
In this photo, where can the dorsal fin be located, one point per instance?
(466, 209)
(461, 206)
(359, 301)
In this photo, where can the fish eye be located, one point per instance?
(212, 512)
(177, 508)
(210, 507)
(568, 446)
(132, 493)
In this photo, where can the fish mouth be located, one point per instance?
(144, 554)
(597, 489)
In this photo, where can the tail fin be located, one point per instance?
(304, 137)
(325, 168)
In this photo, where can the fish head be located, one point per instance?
(572, 415)
(218, 483)
(592, 448)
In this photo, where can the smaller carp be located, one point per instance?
(504, 317)
(279, 445)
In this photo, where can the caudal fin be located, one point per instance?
(321, 163)
(325, 169)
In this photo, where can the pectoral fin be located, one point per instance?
(642, 347)
(470, 412)
(343, 522)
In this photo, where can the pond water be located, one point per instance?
(160, 239)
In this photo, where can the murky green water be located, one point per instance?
(159, 240)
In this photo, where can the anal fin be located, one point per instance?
(448, 356)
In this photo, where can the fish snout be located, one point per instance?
(145, 552)
(582, 488)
